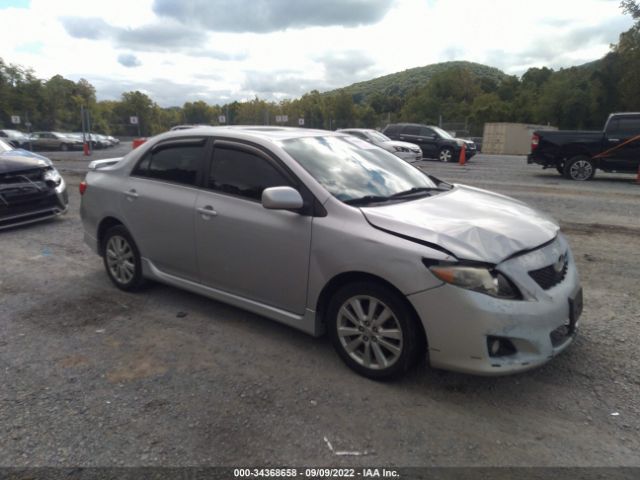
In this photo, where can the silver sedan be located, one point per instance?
(327, 233)
(405, 150)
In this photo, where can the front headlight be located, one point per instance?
(478, 279)
(52, 175)
(460, 142)
(401, 149)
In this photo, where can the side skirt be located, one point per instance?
(307, 323)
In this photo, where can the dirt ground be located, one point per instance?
(96, 377)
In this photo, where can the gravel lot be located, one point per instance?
(96, 377)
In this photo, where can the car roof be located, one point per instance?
(271, 133)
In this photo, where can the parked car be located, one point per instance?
(98, 142)
(15, 138)
(407, 151)
(434, 141)
(578, 154)
(310, 229)
(31, 189)
(54, 141)
(113, 140)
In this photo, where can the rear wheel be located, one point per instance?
(122, 259)
(579, 168)
(374, 331)
(64, 147)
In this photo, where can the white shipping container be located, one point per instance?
(509, 138)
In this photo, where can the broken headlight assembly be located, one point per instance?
(479, 279)
(52, 176)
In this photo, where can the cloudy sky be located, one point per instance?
(222, 50)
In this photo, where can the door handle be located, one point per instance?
(207, 211)
(614, 139)
(131, 194)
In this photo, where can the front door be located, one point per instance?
(242, 247)
(625, 154)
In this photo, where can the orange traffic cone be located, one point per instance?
(463, 154)
(85, 149)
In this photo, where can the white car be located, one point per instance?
(405, 150)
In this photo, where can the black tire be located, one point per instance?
(128, 262)
(580, 168)
(64, 147)
(445, 154)
(406, 350)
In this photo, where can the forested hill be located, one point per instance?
(401, 83)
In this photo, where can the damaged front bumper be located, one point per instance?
(21, 204)
(462, 325)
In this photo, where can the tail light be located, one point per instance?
(535, 139)
(82, 187)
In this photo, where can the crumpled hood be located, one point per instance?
(471, 223)
(13, 161)
(397, 143)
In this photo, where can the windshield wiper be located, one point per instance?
(366, 199)
(413, 191)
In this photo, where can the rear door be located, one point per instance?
(242, 247)
(411, 133)
(429, 139)
(158, 202)
(625, 154)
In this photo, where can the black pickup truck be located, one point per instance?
(577, 154)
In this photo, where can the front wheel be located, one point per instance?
(374, 331)
(445, 155)
(579, 168)
(64, 147)
(122, 259)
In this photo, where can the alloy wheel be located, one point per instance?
(446, 155)
(581, 170)
(369, 332)
(120, 259)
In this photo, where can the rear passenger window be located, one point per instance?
(173, 163)
(244, 174)
(628, 126)
(411, 130)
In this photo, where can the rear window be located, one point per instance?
(392, 130)
(173, 163)
(411, 130)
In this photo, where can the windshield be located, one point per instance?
(350, 168)
(380, 137)
(443, 133)
(5, 147)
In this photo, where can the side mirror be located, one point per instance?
(281, 198)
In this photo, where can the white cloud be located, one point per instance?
(213, 64)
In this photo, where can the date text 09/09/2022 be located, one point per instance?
(315, 473)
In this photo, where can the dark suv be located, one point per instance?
(434, 141)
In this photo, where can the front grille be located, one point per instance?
(33, 175)
(550, 275)
(24, 193)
